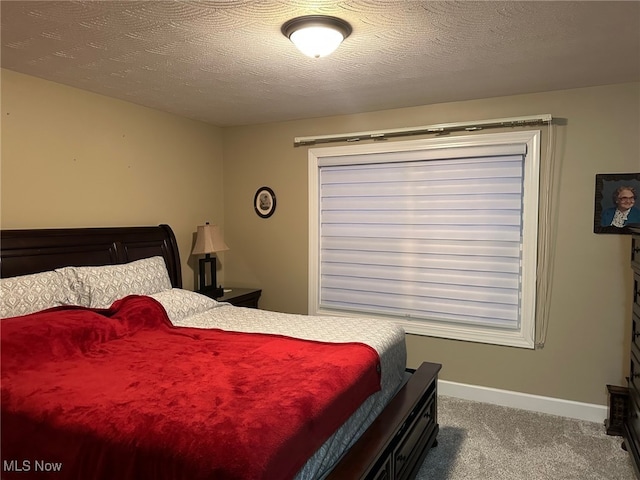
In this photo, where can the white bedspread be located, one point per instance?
(386, 338)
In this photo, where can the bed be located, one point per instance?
(374, 421)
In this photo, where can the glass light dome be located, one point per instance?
(316, 35)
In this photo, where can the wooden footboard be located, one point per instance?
(395, 444)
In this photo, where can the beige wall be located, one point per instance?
(75, 159)
(590, 304)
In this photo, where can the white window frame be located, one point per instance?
(523, 337)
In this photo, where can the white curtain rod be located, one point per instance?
(439, 129)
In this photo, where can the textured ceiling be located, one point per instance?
(225, 62)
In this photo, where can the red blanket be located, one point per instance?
(121, 393)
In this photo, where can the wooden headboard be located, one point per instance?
(32, 251)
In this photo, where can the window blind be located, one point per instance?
(431, 234)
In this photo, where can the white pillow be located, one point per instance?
(181, 304)
(31, 293)
(101, 286)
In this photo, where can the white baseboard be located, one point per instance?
(535, 403)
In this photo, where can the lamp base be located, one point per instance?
(209, 290)
(213, 292)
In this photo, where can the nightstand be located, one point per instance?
(241, 297)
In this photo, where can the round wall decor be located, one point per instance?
(264, 202)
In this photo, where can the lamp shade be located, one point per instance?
(316, 35)
(209, 240)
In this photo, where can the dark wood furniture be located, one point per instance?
(632, 421)
(412, 419)
(240, 297)
(33, 251)
(618, 402)
(394, 445)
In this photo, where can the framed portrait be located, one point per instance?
(616, 205)
(264, 202)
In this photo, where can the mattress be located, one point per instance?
(121, 393)
(387, 338)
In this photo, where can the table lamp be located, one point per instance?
(209, 240)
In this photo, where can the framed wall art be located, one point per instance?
(616, 205)
(264, 202)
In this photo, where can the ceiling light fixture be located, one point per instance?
(316, 35)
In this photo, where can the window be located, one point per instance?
(439, 235)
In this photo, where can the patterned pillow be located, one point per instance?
(101, 286)
(31, 293)
(181, 304)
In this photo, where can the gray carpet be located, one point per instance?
(479, 441)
